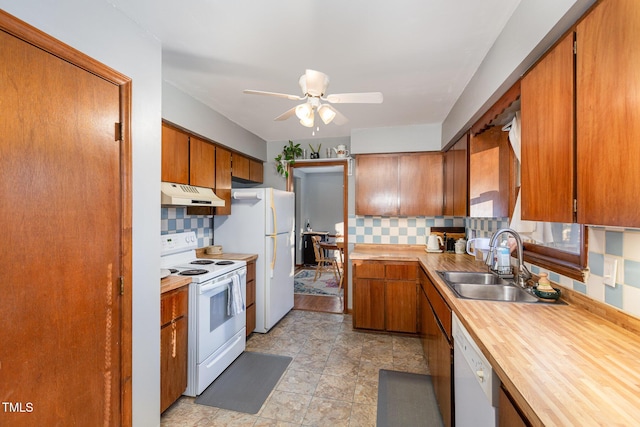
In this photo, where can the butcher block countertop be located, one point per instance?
(200, 253)
(562, 364)
(170, 283)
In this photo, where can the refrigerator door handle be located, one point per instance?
(273, 257)
(273, 211)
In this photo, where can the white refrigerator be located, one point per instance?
(262, 222)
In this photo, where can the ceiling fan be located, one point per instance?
(314, 86)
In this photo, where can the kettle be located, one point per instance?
(432, 243)
(341, 150)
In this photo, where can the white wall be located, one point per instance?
(99, 30)
(189, 113)
(323, 200)
(534, 26)
(426, 137)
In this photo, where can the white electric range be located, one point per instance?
(217, 319)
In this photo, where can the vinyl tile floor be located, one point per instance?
(332, 380)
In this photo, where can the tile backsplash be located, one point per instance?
(619, 244)
(622, 245)
(410, 230)
(176, 220)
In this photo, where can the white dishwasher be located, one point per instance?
(475, 385)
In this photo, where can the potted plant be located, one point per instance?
(287, 157)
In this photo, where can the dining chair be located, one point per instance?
(324, 263)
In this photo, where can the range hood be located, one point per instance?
(188, 195)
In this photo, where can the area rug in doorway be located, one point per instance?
(406, 399)
(246, 383)
(326, 284)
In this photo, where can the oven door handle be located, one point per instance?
(206, 288)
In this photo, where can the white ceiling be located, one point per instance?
(419, 53)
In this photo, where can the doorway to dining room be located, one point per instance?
(321, 210)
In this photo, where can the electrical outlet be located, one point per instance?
(610, 270)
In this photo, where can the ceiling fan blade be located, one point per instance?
(286, 114)
(355, 98)
(278, 95)
(340, 118)
(315, 82)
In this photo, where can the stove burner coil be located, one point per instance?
(224, 262)
(173, 270)
(202, 262)
(194, 272)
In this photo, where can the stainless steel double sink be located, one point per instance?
(485, 286)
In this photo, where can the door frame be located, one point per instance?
(345, 209)
(23, 31)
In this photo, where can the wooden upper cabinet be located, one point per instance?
(421, 184)
(175, 155)
(456, 170)
(377, 184)
(256, 171)
(608, 131)
(240, 166)
(223, 180)
(547, 136)
(491, 167)
(202, 164)
(399, 184)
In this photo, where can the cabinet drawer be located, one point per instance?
(401, 271)
(251, 293)
(174, 304)
(251, 271)
(370, 270)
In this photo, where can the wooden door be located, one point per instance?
(175, 155)
(368, 304)
(401, 306)
(256, 171)
(547, 139)
(202, 163)
(461, 176)
(608, 131)
(377, 184)
(223, 179)
(240, 167)
(421, 184)
(64, 216)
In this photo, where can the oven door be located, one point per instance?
(215, 326)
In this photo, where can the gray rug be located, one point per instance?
(246, 383)
(406, 400)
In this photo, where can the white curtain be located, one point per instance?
(539, 232)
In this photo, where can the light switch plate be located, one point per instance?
(610, 271)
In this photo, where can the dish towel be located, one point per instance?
(235, 303)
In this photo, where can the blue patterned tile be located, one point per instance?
(596, 263)
(385, 231)
(377, 239)
(377, 222)
(613, 243)
(632, 273)
(393, 222)
(554, 277)
(411, 222)
(579, 287)
(394, 240)
(613, 296)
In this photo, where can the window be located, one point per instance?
(562, 249)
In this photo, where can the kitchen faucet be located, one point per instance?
(523, 273)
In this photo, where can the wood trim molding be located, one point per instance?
(510, 96)
(345, 214)
(47, 43)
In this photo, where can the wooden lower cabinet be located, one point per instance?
(251, 297)
(174, 306)
(368, 304)
(401, 306)
(385, 296)
(435, 314)
(508, 414)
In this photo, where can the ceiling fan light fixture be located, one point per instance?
(326, 113)
(308, 122)
(304, 111)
